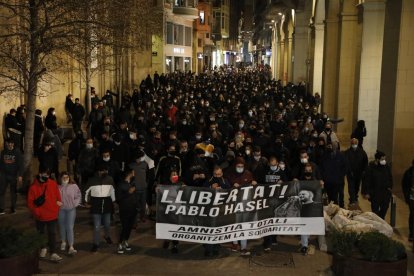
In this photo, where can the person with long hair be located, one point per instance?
(71, 198)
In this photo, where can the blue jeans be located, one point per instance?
(97, 219)
(66, 222)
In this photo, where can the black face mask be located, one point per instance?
(327, 129)
(308, 174)
(42, 178)
(218, 180)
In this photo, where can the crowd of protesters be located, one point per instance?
(222, 129)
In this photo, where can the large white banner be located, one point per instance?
(204, 215)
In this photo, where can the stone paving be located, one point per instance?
(149, 258)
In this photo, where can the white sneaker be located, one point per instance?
(72, 251)
(120, 249)
(126, 246)
(43, 253)
(63, 246)
(55, 257)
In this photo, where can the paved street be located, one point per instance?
(149, 258)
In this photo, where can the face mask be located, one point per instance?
(327, 129)
(282, 167)
(171, 153)
(304, 160)
(239, 170)
(54, 113)
(354, 147)
(212, 119)
(132, 136)
(106, 159)
(257, 158)
(241, 125)
(308, 174)
(89, 146)
(184, 123)
(117, 143)
(273, 168)
(42, 178)
(247, 152)
(174, 178)
(198, 137)
(315, 135)
(142, 159)
(383, 162)
(65, 182)
(250, 113)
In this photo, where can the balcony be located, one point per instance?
(186, 8)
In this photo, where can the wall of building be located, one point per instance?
(403, 151)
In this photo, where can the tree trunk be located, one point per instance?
(29, 131)
(33, 81)
(88, 88)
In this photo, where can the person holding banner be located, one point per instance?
(273, 175)
(239, 177)
(216, 182)
(307, 203)
(173, 180)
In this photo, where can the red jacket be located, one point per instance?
(171, 113)
(49, 210)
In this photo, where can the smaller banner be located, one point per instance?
(204, 215)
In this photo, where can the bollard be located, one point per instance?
(393, 211)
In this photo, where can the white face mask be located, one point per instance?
(142, 159)
(89, 146)
(198, 137)
(383, 162)
(117, 143)
(184, 122)
(282, 167)
(250, 113)
(354, 146)
(273, 168)
(247, 152)
(239, 170)
(304, 160)
(241, 125)
(65, 182)
(106, 159)
(132, 136)
(257, 158)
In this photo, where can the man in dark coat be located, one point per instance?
(11, 166)
(333, 168)
(408, 190)
(357, 161)
(78, 112)
(377, 184)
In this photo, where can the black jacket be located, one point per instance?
(100, 194)
(356, 160)
(78, 112)
(408, 184)
(49, 159)
(50, 122)
(11, 162)
(125, 200)
(377, 182)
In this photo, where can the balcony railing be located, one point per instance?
(186, 8)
